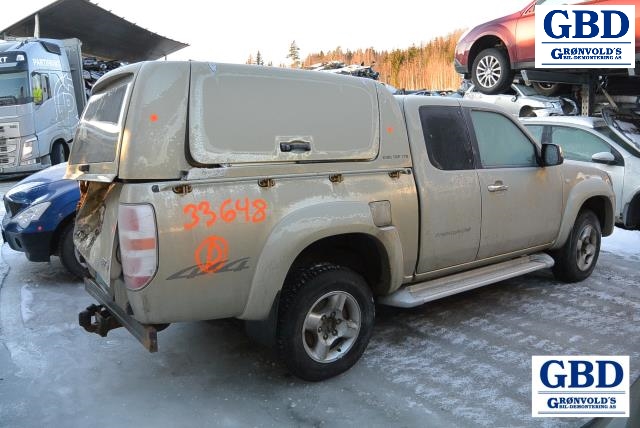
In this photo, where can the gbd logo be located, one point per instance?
(579, 386)
(585, 36)
(586, 24)
(581, 374)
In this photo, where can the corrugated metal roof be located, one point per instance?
(102, 33)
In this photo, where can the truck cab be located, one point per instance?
(39, 102)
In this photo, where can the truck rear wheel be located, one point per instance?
(58, 153)
(577, 258)
(325, 321)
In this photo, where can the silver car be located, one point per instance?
(614, 148)
(524, 101)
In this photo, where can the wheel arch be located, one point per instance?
(346, 235)
(526, 111)
(55, 239)
(632, 213)
(602, 207)
(359, 252)
(65, 147)
(485, 42)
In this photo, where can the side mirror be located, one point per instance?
(552, 155)
(604, 157)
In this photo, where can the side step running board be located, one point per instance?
(422, 292)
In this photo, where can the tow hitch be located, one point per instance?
(100, 319)
(104, 320)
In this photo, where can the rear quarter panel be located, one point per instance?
(211, 261)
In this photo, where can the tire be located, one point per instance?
(577, 258)
(491, 72)
(69, 257)
(547, 89)
(58, 153)
(315, 339)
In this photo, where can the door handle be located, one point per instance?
(295, 146)
(498, 187)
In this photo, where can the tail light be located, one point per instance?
(138, 244)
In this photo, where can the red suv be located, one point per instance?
(491, 52)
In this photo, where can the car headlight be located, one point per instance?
(33, 213)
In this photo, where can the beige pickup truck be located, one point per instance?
(296, 200)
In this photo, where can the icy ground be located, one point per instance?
(624, 243)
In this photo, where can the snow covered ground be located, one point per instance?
(624, 243)
(463, 361)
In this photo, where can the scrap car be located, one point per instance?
(523, 101)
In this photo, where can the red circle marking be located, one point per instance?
(154, 117)
(211, 254)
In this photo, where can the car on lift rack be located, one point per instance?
(492, 52)
(40, 217)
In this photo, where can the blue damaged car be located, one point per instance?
(41, 211)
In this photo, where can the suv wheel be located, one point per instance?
(69, 255)
(547, 89)
(325, 321)
(577, 258)
(491, 72)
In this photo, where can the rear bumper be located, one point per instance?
(36, 246)
(114, 317)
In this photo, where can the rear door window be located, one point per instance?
(446, 137)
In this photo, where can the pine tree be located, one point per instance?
(259, 60)
(250, 59)
(294, 54)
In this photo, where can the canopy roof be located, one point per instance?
(102, 33)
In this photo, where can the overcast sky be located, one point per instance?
(230, 31)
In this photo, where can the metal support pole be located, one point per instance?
(587, 94)
(36, 26)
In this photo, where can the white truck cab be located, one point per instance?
(41, 95)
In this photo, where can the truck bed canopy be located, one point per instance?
(102, 33)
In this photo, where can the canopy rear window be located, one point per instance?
(100, 127)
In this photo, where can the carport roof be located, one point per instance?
(102, 33)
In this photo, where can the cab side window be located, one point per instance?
(536, 131)
(578, 144)
(40, 87)
(500, 142)
(445, 135)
